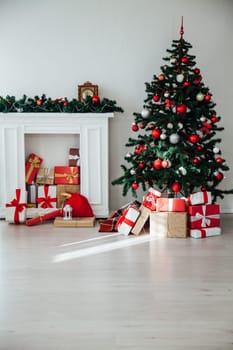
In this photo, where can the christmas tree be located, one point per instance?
(176, 149)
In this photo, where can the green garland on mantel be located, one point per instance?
(42, 104)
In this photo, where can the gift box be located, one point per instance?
(32, 193)
(171, 204)
(16, 209)
(168, 224)
(150, 198)
(117, 213)
(33, 164)
(66, 175)
(47, 196)
(203, 216)
(74, 157)
(205, 232)
(44, 217)
(45, 176)
(127, 221)
(200, 198)
(62, 189)
(108, 225)
(141, 221)
(75, 222)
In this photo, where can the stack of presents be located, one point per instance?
(49, 190)
(194, 216)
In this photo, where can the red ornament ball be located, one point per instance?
(156, 98)
(196, 160)
(65, 103)
(95, 99)
(141, 125)
(134, 127)
(176, 187)
(141, 165)
(219, 160)
(135, 185)
(181, 108)
(203, 189)
(156, 133)
(199, 148)
(186, 83)
(197, 71)
(194, 138)
(214, 119)
(165, 163)
(38, 102)
(157, 164)
(184, 59)
(219, 176)
(207, 97)
(161, 77)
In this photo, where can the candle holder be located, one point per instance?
(67, 212)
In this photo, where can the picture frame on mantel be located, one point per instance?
(87, 89)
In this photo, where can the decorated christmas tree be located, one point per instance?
(176, 148)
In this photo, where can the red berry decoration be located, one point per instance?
(184, 59)
(95, 99)
(156, 133)
(194, 138)
(181, 109)
(207, 97)
(157, 164)
(219, 160)
(39, 102)
(135, 185)
(176, 187)
(161, 77)
(141, 165)
(156, 98)
(134, 127)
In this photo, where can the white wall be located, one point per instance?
(50, 47)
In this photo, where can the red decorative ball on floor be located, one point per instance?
(157, 164)
(181, 109)
(95, 99)
(156, 133)
(194, 138)
(135, 185)
(134, 127)
(176, 187)
(156, 98)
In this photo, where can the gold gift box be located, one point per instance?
(45, 176)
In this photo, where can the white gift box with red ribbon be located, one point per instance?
(205, 232)
(200, 198)
(204, 216)
(127, 221)
(16, 209)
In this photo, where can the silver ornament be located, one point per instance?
(132, 172)
(145, 113)
(180, 125)
(216, 150)
(200, 97)
(182, 170)
(203, 119)
(163, 136)
(169, 125)
(179, 78)
(166, 94)
(174, 138)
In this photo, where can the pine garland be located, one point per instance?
(43, 104)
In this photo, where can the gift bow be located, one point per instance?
(206, 221)
(46, 201)
(19, 207)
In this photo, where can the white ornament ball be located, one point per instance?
(128, 155)
(203, 119)
(173, 60)
(145, 113)
(182, 170)
(169, 125)
(163, 136)
(216, 150)
(179, 78)
(180, 125)
(200, 96)
(174, 138)
(166, 94)
(132, 172)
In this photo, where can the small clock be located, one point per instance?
(87, 89)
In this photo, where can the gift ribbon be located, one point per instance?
(70, 177)
(19, 207)
(125, 220)
(34, 163)
(46, 201)
(206, 220)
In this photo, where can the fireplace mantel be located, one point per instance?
(92, 129)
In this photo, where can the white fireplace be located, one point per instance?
(91, 130)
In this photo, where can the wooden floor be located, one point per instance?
(63, 289)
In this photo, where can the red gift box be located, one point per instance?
(151, 198)
(41, 218)
(46, 197)
(16, 210)
(204, 216)
(205, 232)
(32, 166)
(127, 221)
(66, 175)
(200, 198)
(74, 157)
(171, 204)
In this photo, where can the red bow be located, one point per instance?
(47, 200)
(19, 207)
